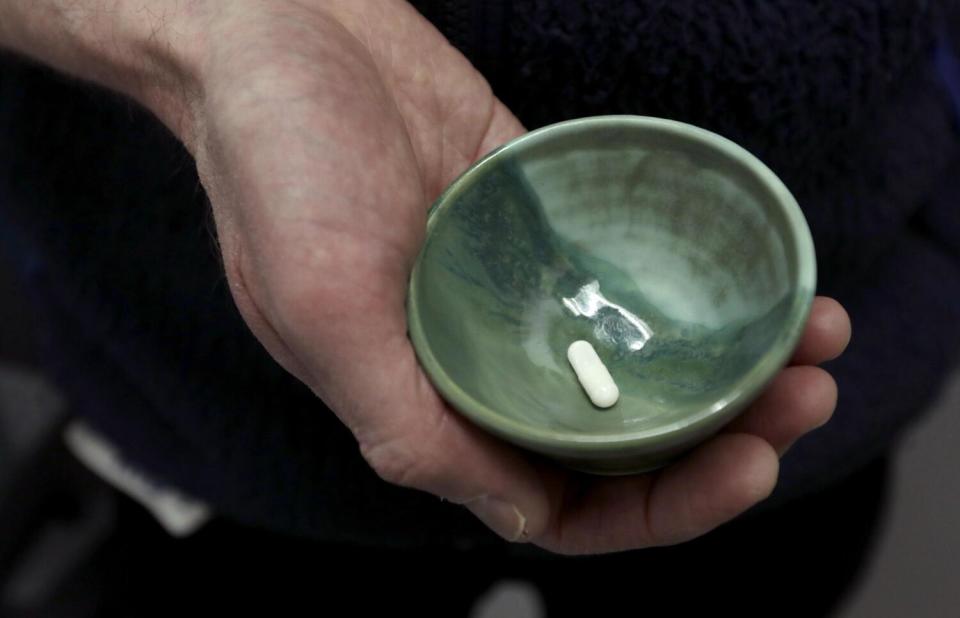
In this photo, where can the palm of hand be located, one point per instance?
(323, 141)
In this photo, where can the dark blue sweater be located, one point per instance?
(854, 104)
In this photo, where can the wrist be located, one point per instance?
(150, 51)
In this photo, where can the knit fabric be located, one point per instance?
(850, 103)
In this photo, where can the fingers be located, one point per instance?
(799, 400)
(715, 483)
(720, 479)
(826, 335)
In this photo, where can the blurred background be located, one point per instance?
(62, 527)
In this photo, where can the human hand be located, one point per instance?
(322, 131)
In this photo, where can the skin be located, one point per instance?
(322, 131)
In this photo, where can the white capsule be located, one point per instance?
(593, 374)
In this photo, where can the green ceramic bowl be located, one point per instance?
(680, 256)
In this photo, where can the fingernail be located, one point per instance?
(501, 517)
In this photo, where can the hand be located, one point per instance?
(326, 135)
(322, 132)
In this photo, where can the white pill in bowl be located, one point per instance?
(593, 374)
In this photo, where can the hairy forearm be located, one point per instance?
(146, 49)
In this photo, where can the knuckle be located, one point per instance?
(398, 462)
(415, 457)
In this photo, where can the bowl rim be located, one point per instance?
(734, 399)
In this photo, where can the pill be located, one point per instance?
(593, 374)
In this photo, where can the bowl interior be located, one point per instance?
(680, 257)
